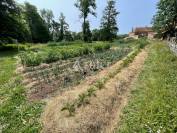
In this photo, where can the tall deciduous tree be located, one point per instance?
(86, 7)
(63, 27)
(109, 27)
(38, 28)
(12, 25)
(47, 16)
(165, 19)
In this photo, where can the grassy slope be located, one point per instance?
(17, 115)
(153, 104)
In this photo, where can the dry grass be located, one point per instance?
(103, 108)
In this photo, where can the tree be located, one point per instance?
(55, 31)
(63, 27)
(88, 34)
(109, 27)
(38, 28)
(165, 20)
(96, 35)
(12, 24)
(47, 16)
(86, 7)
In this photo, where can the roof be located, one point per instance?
(143, 29)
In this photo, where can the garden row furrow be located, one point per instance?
(60, 76)
(90, 110)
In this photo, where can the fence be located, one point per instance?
(172, 42)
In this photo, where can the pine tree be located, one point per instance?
(109, 27)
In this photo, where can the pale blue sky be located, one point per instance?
(133, 13)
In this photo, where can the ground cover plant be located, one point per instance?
(152, 107)
(17, 115)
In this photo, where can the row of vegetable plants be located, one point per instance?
(60, 76)
(36, 56)
(84, 98)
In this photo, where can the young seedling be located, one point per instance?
(99, 84)
(91, 92)
(82, 100)
(70, 107)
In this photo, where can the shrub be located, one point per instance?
(30, 58)
(14, 47)
(142, 43)
(53, 56)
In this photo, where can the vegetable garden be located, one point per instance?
(47, 78)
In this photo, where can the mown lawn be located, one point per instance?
(17, 115)
(153, 103)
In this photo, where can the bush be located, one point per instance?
(101, 47)
(53, 56)
(142, 43)
(55, 53)
(14, 47)
(30, 59)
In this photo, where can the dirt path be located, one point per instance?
(102, 114)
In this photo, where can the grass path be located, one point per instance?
(102, 108)
(17, 115)
(153, 103)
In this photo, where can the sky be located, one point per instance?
(133, 13)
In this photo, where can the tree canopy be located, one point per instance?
(165, 19)
(38, 28)
(86, 7)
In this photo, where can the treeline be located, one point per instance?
(165, 20)
(23, 23)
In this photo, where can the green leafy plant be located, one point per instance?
(82, 100)
(91, 92)
(99, 84)
(70, 107)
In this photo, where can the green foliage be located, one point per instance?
(15, 110)
(70, 107)
(91, 92)
(108, 23)
(30, 58)
(152, 107)
(53, 56)
(130, 58)
(99, 84)
(12, 26)
(87, 36)
(13, 47)
(86, 7)
(96, 35)
(63, 27)
(35, 56)
(47, 16)
(82, 100)
(38, 28)
(165, 20)
(142, 43)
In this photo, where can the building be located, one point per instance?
(142, 32)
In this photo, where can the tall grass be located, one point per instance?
(153, 104)
(17, 114)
